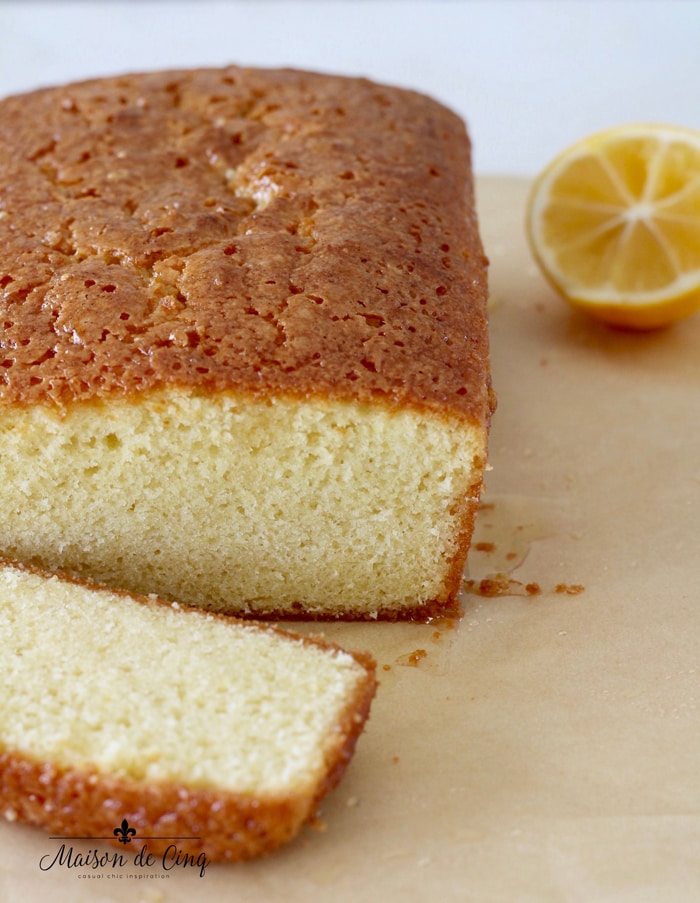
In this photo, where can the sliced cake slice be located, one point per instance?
(215, 735)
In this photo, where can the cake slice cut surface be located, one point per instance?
(243, 347)
(219, 733)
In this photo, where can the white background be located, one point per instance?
(529, 76)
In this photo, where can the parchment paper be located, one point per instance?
(546, 747)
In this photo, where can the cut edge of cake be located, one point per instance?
(362, 510)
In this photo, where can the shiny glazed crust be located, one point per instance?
(269, 231)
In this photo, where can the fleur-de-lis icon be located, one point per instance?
(124, 832)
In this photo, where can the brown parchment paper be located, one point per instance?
(546, 747)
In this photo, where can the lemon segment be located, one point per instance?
(614, 224)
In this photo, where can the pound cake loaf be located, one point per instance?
(244, 352)
(214, 734)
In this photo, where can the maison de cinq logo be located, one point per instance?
(98, 863)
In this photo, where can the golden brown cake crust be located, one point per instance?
(269, 231)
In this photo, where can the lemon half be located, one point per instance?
(614, 224)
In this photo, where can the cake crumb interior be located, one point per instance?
(228, 705)
(263, 506)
